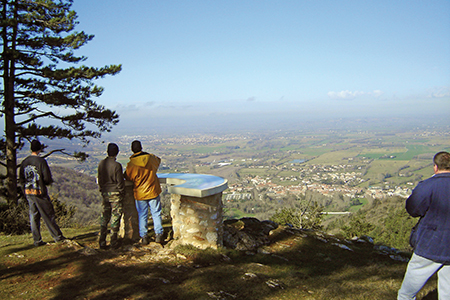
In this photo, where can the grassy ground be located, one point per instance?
(295, 265)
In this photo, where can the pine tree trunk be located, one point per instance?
(9, 47)
(11, 158)
(10, 135)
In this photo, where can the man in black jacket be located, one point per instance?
(112, 187)
(34, 176)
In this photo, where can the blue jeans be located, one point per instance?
(155, 209)
(418, 272)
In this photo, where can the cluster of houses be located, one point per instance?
(298, 185)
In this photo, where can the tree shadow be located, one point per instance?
(292, 265)
(18, 249)
(304, 263)
(37, 267)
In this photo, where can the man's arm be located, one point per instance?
(157, 161)
(21, 175)
(120, 179)
(100, 176)
(46, 174)
(418, 203)
(22, 178)
(126, 174)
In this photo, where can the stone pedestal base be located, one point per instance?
(129, 224)
(197, 221)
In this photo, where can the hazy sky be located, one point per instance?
(192, 60)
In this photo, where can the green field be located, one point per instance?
(334, 157)
(355, 208)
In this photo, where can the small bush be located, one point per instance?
(64, 213)
(14, 219)
(308, 218)
(357, 227)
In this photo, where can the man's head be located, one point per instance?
(36, 146)
(442, 161)
(136, 146)
(113, 149)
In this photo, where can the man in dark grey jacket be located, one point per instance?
(112, 187)
(34, 176)
(430, 200)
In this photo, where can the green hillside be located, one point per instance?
(79, 190)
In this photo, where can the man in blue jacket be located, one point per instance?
(430, 201)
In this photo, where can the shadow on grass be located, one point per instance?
(294, 266)
(300, 266)
(17, 249)
(87, 235)
(37, 267)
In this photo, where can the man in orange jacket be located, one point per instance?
(141, 170)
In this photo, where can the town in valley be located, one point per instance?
(341, 169)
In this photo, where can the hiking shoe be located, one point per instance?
(61, 239)
(102, 245)
(40, 243)
(145, 240)
(115, 243)
(158, 238)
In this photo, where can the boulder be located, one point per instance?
(247, 234)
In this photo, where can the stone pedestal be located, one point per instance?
(197, 221)
(129, 224)
(196, 209)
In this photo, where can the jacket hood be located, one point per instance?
(140, 159)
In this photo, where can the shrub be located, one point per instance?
(14, 219)
(357, 227)
(308, 218)
(395, 229)
(64, 213)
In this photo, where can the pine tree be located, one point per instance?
(41, 82)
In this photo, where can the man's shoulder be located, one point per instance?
(153, 155)
(110, 161)
(32, 159)
(437, 179)
(103, 162)
(117, 164)
(443, 175)
(438, 176)
(26, 159)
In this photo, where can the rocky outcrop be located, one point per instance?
(247, 234)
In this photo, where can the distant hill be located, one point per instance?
(77, 189)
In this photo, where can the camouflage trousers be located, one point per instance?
(112, 210)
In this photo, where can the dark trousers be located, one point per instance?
(43, 207)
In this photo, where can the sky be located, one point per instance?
(243, 63)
